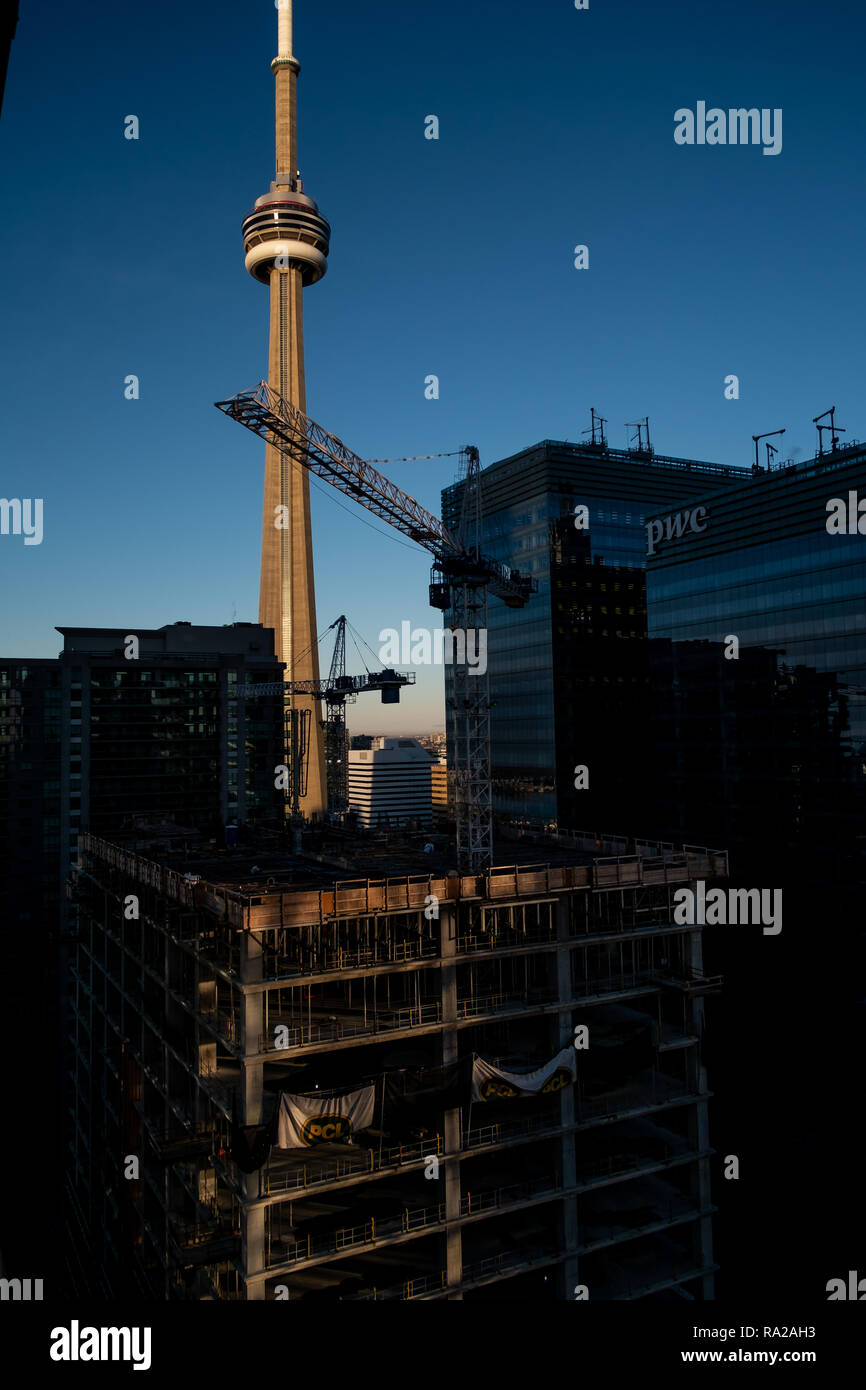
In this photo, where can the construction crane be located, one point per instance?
(461, 580)
(337, 690)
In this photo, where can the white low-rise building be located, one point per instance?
(390, 783)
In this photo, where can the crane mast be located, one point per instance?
(336, 738)
(461, 581)
(469, 704)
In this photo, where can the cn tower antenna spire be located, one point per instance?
(286, 243)
(285, 68)
(284, 29)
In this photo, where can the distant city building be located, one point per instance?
(390, 783)
(568, 672)
(434, 743)
(439, 786)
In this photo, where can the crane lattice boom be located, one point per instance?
(265, 412)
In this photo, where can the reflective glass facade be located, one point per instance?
(568, 673)
(768, 749)
(765, 753)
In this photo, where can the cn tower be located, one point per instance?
(286, 247)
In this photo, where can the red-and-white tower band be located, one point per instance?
(286, 244)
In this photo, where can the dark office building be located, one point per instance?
(30, 723)
(155, 733)
(765, 749)
(150, 740)
(568, 673)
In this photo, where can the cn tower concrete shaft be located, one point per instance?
(286, 243)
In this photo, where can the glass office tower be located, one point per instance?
(568, 673)
(765, 750)
(760, 745)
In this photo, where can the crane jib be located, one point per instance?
(266, 413)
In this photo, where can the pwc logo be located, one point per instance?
(326, 1129)
(672, 527)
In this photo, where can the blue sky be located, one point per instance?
(452, 257)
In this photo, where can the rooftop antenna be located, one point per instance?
(640, 426)
(598, 436)
(756, 437)
(834, 433)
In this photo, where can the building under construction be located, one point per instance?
(432, 1086)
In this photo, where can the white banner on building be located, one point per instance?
(307, 1120)
(490, 1083)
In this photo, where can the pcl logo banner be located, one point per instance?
(305, 1121)
(489, 1083)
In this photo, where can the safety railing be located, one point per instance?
(504, 938)
(367, 1161)
(438, 1282)
(337, 1029)
(406, 1222)
(493, 1003)
(473, 1204)
(410, 1288)
(506, 1263)
(484, 1136)
(370, 1232)
(330, 960)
